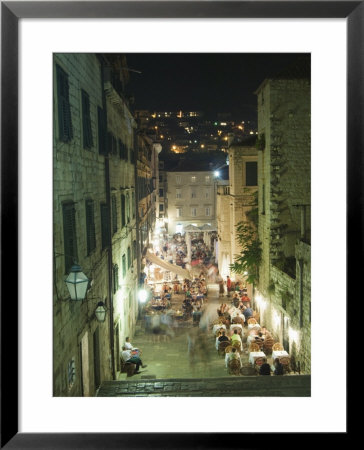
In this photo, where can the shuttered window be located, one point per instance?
(69, 235)
(133, 203)
(86, 120)
(115, 277)
(124, 265)
(65, 131)
(114, 217)
(112, 144)
(251, 171)
(101, 122)
(127, 208)
(123, 150)
(129, 257)
(105, 231)
(134, 250)
(123, 215)
(90, 226)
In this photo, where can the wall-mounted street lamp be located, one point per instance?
(77, 283)
(100, 312)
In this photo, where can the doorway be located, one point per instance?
(96, 343)
(85, 366)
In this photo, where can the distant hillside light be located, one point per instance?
(77, 283)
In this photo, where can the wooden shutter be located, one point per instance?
(127, 207)
(124, 266)
(105, 231)
(65, 130)
(69, 235)
(114, 215)
(129, 257)
(115, 271)
(133, 203)
(101, 120)
(123, 216)
(86, 120)
(90, 226)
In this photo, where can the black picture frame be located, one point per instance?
(11, 12)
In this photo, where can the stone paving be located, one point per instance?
(170, 359)
(254, 386)
(169, 371)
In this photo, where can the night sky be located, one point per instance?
(209, 82)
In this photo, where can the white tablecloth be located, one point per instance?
(279, 354)
(217, 327)
(236, 325)
(252, 326)
(254, 355)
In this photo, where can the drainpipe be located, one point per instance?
(109, 246)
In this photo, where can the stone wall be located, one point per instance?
(122, 181)
(82, 345)
(284, 179)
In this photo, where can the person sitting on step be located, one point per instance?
(127, 356)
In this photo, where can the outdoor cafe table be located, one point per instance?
(254, 355)
(236, 325)
(279, 354)
(217, 327)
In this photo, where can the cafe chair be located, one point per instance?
(228, 349)
(234, 367)
(127, 367)
(268, 345)
(277, 346)
(222, 347)
(258, 363)
(286, 363)
(252, 320)
(237, 345)
(254, 347)
(238, 320)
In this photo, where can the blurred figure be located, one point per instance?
(278, 367)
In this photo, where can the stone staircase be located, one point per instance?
(250, 386)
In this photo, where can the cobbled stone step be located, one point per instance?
(254, 386)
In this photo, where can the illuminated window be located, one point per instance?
(207, 179)
(193, 179)
(178, 193)
(193, 212)
(179, 212)
(207, 211)
(193, 194)
(178, 179)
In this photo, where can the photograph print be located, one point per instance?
(182, 224)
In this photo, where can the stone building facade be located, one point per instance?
(236, 201)
(191, 198)
(284, 174)
(121, 128)
(93, 163)
(147, 184)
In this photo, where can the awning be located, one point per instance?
(168, 266)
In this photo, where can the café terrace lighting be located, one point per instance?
(77, 283)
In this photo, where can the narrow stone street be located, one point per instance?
(170, 359)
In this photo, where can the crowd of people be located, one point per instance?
(231, 328)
